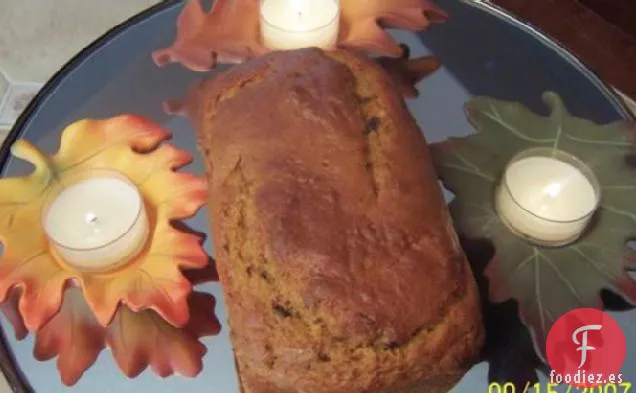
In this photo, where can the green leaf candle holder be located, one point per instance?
(556, 198)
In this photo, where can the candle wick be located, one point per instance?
(91, 218)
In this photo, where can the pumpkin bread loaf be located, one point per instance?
(341, 270)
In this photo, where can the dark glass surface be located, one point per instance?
(484, 52)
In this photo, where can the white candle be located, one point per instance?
(97, 223)
(294, 24)
(547, 196)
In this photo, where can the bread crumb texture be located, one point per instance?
(340, 267)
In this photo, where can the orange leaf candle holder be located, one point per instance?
(236, 30)
(100, 215)
(76, 339)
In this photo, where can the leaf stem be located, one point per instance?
(44, 166)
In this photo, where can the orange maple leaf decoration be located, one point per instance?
(230, 31)
(362, 22)
(153, 279)
(137, 340)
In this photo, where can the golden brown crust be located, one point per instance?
(340, 267)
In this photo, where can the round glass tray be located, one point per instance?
(483, 50)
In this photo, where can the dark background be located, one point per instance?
(601, 32)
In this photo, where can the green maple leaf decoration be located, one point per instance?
(545, 282)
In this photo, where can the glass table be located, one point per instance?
(483, 50)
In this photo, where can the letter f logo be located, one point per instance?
(584, 347)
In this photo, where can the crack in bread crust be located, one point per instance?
(339, 270)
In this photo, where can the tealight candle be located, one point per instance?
(294, 24)
(97, 221)
(547, 196)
